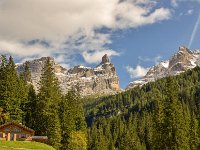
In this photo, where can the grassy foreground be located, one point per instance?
(21, 145)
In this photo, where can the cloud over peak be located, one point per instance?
(137, 72)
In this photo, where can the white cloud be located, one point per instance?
(17, 48)
(174, 3)
(155, 60)
(137, 72)
(96, 56)
(190, 12)
(140, 71)
(68, 26)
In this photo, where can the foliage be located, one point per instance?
(77, 141)
(12, 90)
(159, 115)
(3, 116)
(47, 106)
(46, 111)
(72, 117)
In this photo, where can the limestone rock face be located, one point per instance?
(87, 81)
(183, 60)
(105, 59)
(180, 61)
(36, 69)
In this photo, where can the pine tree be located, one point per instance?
(3, 82)
(72, 117)
(158, 118)
(174, 134)
(54, 130)
(100, 142)
(128, 142)
(49, 98)
(194, 133)
(23, 92)
(30, 108)
(27, 72)
(11, 90)
(3, 116)
(77, 141)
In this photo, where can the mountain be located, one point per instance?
(88, 81)
(148, 114)
(183, 60)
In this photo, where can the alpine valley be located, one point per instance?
(159, 111)
(81, 75)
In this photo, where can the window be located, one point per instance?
(16, 130)
(7, 130)
(23, 135)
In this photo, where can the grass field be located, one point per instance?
(21, 145)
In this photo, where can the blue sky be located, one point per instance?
(158, 41)
(136, 34)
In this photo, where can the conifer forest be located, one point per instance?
(164, 114)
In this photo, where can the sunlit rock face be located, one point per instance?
(87, 81)
(183, 60)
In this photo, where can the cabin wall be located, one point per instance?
(13, 132)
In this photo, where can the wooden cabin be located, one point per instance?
(13, 131)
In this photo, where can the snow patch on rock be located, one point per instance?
(183, 60)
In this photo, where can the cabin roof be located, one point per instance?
(17, 124)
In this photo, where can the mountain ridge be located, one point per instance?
(87, 81)
(181, 61)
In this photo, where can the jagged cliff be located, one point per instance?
(183, 60)
(88, 81)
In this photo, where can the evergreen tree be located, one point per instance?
(174, 134)
(72, 117)
(49, 97)
(100, 140)
(23, 92)
(27, 73)
(30, 108)
(3, 116)
(194, 133)
(166, 116)
(158, 117)
(77, 141)
(3, 82)
(11, 88)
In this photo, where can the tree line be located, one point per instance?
(160, 115)
(47, 111)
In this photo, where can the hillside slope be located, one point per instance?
(132, 119)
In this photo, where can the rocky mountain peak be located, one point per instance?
(88, 81)
(183, 49)
(183, 60)
(105, 59)
(182, 53)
